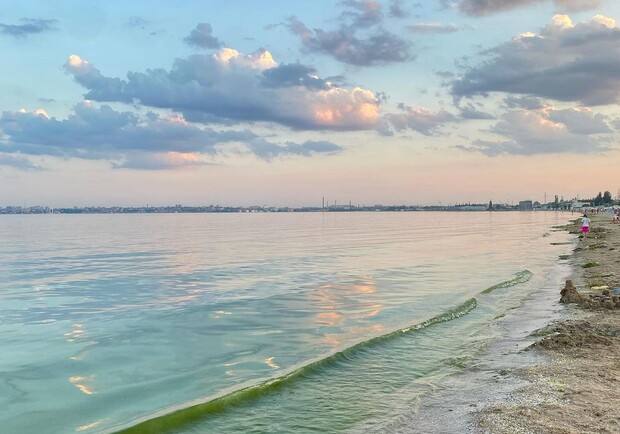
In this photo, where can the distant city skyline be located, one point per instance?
(394, 101)
(324, 204)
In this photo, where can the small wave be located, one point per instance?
(186, 416)
(520, 277)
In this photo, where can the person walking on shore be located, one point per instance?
(585, 226)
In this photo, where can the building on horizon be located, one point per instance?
(525, 205)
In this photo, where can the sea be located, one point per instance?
(325, 322)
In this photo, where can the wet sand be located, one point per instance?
(576, 386)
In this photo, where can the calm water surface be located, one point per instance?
(296, 321)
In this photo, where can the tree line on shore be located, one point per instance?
(602, 199)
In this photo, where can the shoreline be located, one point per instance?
(575, 386)
(491, 376)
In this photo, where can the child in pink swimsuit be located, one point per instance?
(585, 226)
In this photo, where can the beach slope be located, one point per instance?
(578, 389)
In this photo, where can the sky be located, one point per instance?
(283, 103)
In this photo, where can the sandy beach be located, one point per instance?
(577, 387)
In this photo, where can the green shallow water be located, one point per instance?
(252, 323)
(372, 380)
(329, 385)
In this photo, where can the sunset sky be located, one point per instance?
(283, 102)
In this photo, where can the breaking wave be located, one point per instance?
(186, 416)
(520, 277)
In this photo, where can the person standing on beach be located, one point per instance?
(585, 226)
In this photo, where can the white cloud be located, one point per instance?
(364, 42)
(132, 141)
(202, 36)
(564, 62)
(577, 5)
(418, 119)
(17, 161)
(160, 161)
(580, 120)
(229, 85)
(433, 28)
(546, 131)
(488, 7)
